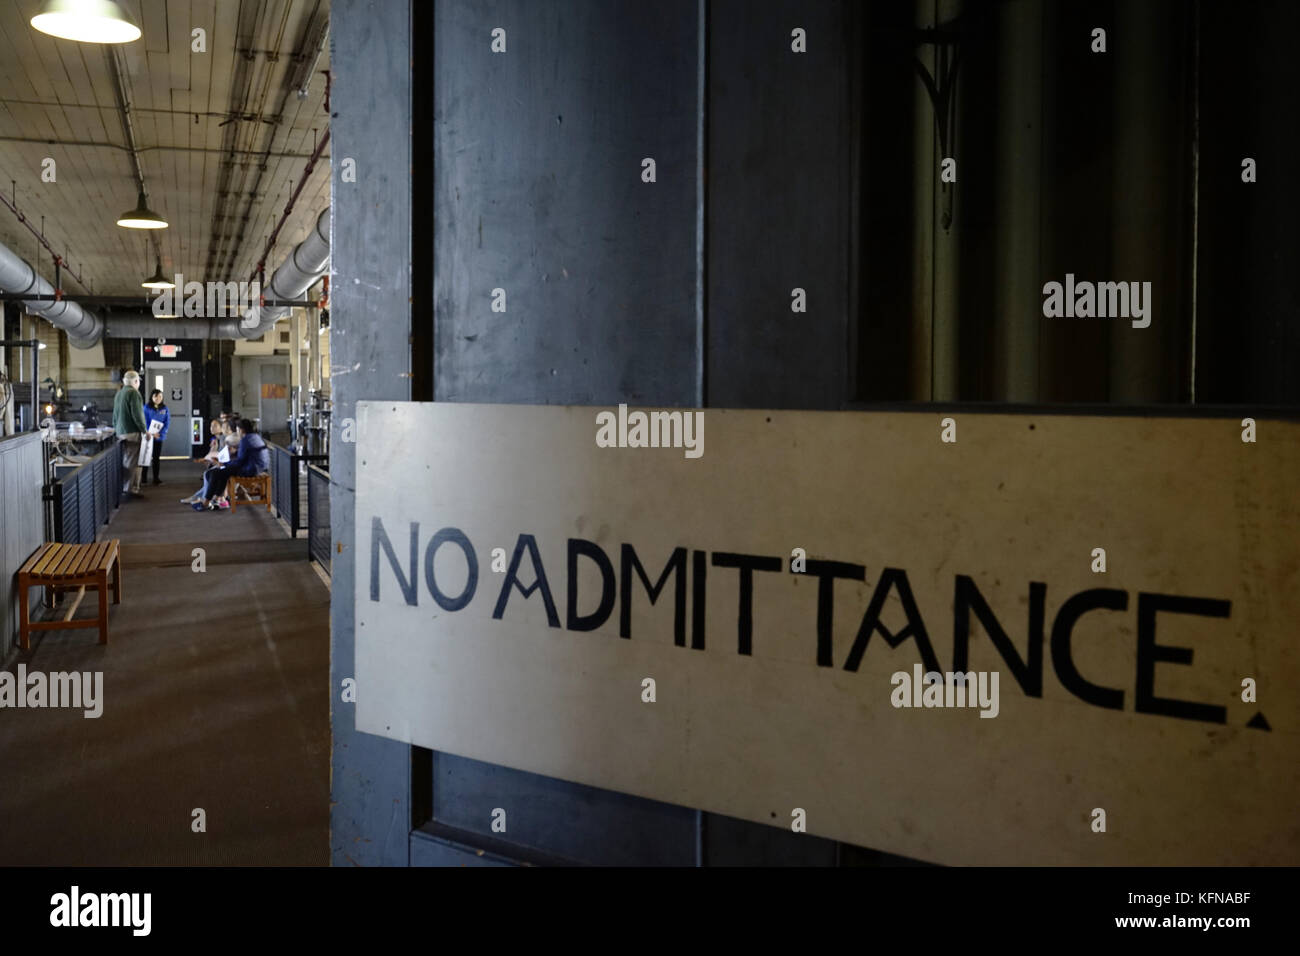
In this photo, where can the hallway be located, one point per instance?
(214, 696)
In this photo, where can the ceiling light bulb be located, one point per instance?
(86, 21)
(141, 217)
(158, 280)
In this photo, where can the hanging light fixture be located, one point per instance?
(158, 280)
(141, 217)
(87, 21)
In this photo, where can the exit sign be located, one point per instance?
(168, 351)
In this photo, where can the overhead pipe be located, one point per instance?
(304, 267)
(309, 261)
(126, 326)
(12, 206)
(16, 276)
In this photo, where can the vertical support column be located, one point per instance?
(1150, 198)
(924, 148)
(946, 249)
(1018, 270)
(370, 234)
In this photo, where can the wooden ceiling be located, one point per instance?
(222, 139)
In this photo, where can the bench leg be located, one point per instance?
(103, 607)
(117, 580)
(24, 618)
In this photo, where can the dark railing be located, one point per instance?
(83, 500)
(318, 516)
(288, 484)
(22, 530)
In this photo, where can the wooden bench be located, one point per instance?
(261, 484)
(65, 567)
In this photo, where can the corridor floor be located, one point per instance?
(215, 698)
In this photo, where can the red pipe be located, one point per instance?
(13, 207)
(284, 216)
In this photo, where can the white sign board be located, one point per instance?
(745, 624)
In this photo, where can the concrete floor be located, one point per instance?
(215, 696)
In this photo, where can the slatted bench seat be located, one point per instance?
(257, 487)
(66, 567)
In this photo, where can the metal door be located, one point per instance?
(274, 407)
(174, 380)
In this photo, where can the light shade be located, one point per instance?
(158, 280)
(87, 21)
(141, 217)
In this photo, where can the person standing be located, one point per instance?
(129, 423)
(156, 411)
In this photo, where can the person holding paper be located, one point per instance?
(158, 417)
(130, 426)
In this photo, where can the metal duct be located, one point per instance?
(126, 326)
(84, 328)
(309, 261)
(306, 264)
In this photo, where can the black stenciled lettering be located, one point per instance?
(1080, 604)
(527, 541)
(826, 572)
(1028, 671)
(457, 537)
(589, 622)
(699, 575)
(1149, 653)
(407, 582)
(915, 628)
(747, 564)
(676, 565)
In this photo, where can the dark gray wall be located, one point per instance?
(779, 200)
(539, 192)
(370, 235)
(527, 177)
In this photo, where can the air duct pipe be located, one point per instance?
(306, 264)
(84, 328)
(127, 326)
(309, 261)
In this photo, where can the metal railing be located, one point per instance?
(22, 531)
(84, 500)
(318, 516)
(289, 483)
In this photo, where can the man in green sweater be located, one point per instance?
(128, 422)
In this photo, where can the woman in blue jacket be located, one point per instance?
(156, 411)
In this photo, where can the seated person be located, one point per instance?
(254, 458)
(215, 444)
(226, 455)
(219, 452)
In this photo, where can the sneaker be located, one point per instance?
(223, 505)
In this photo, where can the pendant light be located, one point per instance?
(141, 217)
(87, 21)
(158, 280)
